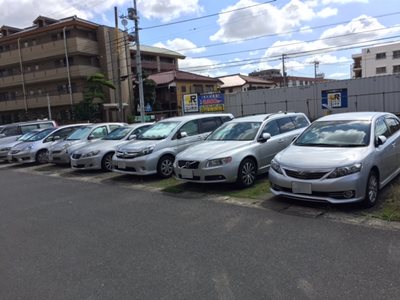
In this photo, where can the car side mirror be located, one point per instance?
(264, 137)
(182, 134)
(90, 137)
(380, 140)
(132, 137)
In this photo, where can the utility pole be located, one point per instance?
(133, 15)
(283, 69)
(48, 106)
(316, 64)
(119, 93)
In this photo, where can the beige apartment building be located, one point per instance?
(47, 64)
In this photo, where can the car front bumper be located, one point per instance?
(142, 165)
(86, 163)
(59, 157)
(22, 157)
(320, 190)
(224, 173)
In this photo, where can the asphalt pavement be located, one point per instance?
(67, 239)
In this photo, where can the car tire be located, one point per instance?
(42, 157)
(247, 173)
(371, 193)
(165, 166)
(106, 162)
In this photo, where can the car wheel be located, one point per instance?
(165, 166)
(106, 162)
(371, 193)
(42, 157)
(247, 173)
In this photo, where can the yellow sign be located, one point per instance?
(190, 103)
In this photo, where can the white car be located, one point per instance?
(98, 155)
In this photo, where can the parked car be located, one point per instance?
(6, 147)
(154, 151)
(16, 129)
(98, 155)
(340, 158)
(240, 149)
(60, 152)
(36, 148)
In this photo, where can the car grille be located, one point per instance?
(76, 156)
(121, 154)
(188, 164)
(56, 152)
(304, 174)
(14, 151)
(335, 195)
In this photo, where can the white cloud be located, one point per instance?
(198, 65)
(181, 45)
(279, 19)
(327, 2)
(305, 29)
(168, 10)
(327, 12)
(21, 13)
(327, 59)
(338, 75)
(253, 53)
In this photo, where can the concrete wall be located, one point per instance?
(381, 93)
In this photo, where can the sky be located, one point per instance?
(222, 37)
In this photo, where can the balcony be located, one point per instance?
(49, 75)
(47, 50)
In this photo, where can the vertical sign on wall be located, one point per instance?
(190, 103)
(334, 98)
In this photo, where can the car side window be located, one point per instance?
(393, 124)
(285, 124)
(381, 128)
(272, 128)
(112, 127)
(99, 132)
(209, 124)
(299, 121)
(191, 128)
(12, 130)
(46, 125)
(27, 128)
(139, 130)
(226, 119)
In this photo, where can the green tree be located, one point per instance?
(93, 96)
(149, 92)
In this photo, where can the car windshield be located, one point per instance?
(26, 136)
(41, 135)
(336, 134)
(118, 133)
(235, 131)
(79, 134)
(158, 131)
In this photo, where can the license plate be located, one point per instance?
(301, 188)
(188, 174)
(121, 165)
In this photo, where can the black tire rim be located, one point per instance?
(248, 173)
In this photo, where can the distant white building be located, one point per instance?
(375, 61)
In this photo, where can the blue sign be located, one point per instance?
(334, 98)
(211, 102)
(148, 108)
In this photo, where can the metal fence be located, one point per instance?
(380, 93)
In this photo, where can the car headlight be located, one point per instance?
(27, 148)
(147, 150)
(218, 162)
(343, 171)
(91, 153)
(5, 149)
(276, 167)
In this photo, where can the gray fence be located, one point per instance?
(381, 93)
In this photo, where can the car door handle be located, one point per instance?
(281, 140)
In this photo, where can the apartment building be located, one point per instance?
(375, 61)
(241, 83)
(47, 64)
(289, 81)
(155, 59)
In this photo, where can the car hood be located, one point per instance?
(138, 145)
(60, 145)
(10, 144)
(8, 139)
(103, 145)
(23, 145)
(320, 157)
(213, 149)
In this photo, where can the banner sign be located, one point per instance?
(190, 103)
(211, 102)
(334, 98)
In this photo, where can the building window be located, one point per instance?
(197, 88)
(381, 70)
(381, 55)
(209, 88)
(183, 88)
(396, 69)
(396, 54)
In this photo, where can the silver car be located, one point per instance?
(154, 151)
(12, 141)
(98, 155)
(240, 149)
(340, 158)
(36, 148)
(60, 152)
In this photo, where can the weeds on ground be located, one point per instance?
(390, 209)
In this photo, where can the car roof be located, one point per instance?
(195, 117)
(356, 116)
(262, 117)
(29, 122)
